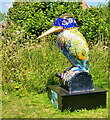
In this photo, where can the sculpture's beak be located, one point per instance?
(51, 30)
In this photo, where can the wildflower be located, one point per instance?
(39, 46)
(11, 80)
(14, 34)
(2, 38)
(22, 31)
(18, 27)
(51, 21)
(5, 93)
(17, 32)
(27, 37)
(12, 69)
(9, 31)
(11, 23)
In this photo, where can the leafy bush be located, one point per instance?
(37, 17)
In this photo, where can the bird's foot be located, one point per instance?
(60, 75)
(68, 73)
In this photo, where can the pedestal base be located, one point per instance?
(62, 99)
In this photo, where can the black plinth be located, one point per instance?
(62, 99)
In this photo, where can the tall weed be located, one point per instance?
(99, 65)
(32, 67)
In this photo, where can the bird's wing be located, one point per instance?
(76, 45)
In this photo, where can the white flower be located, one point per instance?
(22, 31)
(2, 38)
(12, 23)
(17, 32)
(16, 74)
(11, 80)
(5, 93)
(12, 69)
(51, 21)
(14, 34)
(27, 37)
(18, 27)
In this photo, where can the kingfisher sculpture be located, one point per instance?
(74, 46)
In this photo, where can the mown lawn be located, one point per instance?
(36, 105)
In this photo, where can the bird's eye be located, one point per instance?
(64, 22)
(70, 20)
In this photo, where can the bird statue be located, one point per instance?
(72, 44)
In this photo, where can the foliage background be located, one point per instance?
(37, 17)
(30, 65)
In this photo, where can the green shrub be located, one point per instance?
(37, 17)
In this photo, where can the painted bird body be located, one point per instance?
(70, 41)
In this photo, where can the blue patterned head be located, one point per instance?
(65, 21)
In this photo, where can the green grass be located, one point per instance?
(33, 66)
(27, 71)
(36, 105)
(99, 65)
